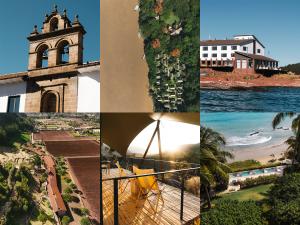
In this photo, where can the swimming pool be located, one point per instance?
(265, 171)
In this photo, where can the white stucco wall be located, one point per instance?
(89, 89)
(219, 52)
(12, 89)
(229, 51)
(243, 37)
(262, 49)
(249, 48)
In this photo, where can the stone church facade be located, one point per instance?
(57, 80)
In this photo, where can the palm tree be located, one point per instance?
(212, 159)
(294, 141)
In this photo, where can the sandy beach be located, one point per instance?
(124, 72)
(260, 153)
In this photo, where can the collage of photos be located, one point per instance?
(250, 121)
(90, 142)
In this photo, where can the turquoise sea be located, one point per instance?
(247, 129)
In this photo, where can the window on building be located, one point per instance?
(205, 48)
(54, 24)
(244, 48)
(214, 55)
(258, 51)
(205, 55)
(224, 55)
(238, 64)
(13, 104)
(234, 47)
(42, 57)
(244, 64)
(250, 63)
(63, 52)
(224, 48)
(214, 48)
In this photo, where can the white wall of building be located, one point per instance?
(243, 37)
(219, 53)
(262, 49)
(89, 89)
(249, 48)
(258, 45)
(229, 51)
(17, 88)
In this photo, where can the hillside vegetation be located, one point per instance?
(295, 68)
(12, 127)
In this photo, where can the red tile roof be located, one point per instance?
(55, 198)
(225, 42)
(258, 57)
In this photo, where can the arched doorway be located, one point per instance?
(50, 102)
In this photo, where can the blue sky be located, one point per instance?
(276, 23)
(18, 18)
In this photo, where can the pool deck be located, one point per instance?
(132, 212)
(243, 175)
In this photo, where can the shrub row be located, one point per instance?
(250, 165)
(251, 182)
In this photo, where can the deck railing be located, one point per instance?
(116, 189)
(157, 165)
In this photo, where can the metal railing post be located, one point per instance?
(116, 202)
(181, 198)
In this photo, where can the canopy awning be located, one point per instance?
(119, 129)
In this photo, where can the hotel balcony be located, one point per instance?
(179, 206)
(135, 187)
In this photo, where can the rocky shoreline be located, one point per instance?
(246, 82)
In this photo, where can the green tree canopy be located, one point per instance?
(231, 212)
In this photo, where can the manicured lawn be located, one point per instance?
(255, 193)
(249, 165)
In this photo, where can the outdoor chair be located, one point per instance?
(148, 186)
(105, 165)
(122, 183)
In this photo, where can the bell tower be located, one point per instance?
(58, 47)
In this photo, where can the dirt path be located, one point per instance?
(124, 73)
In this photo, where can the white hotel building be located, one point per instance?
(243, 53)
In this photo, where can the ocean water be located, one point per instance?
(259, 99)
(247, 129)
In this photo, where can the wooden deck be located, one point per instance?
(133, 212)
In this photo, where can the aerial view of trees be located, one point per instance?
(12, 126)
(231, 212)
(16, 199)
(285, 200)
(170, 29)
